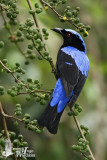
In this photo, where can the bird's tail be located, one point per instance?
(50, 119)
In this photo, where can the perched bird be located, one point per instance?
(72, 68)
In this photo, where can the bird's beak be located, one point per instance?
(58, 30)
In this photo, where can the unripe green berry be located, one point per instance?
(40, 57)
(36, 81)
(36, 5)
(75, 113)
(38, 40)
(38, 10)
(49, 58)
(28, 98)
(64, 1)
(27, 116)
(20, 137)
(69, 14)
(28, 36)
(16, 142)
(79, 109)
(18, 105)
(89, 157)
(24, 144)
(4, 61)
(77, 8)
(37, 99)
(19, 33)
(12, 135)
(74, 147)
(43, 102)
(18, 113)
(15, 123)
(38, 131)
(30, 46)
(76, 20)
(44, 30)
(70, 113)
(74, 12)
(29, 80)
(76, 105)
(1, 44)
(46, 53)
(1, 88)
(88, 27)
(17, 64)
(31, 12)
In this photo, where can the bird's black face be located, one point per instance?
(71, 39)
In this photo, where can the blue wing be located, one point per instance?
(59, 97)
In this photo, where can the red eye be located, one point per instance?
(68, 35)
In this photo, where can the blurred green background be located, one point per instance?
(93, 96)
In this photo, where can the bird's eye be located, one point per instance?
(68, 34)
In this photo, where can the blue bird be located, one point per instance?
(72, 68)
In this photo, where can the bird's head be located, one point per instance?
(71, 38)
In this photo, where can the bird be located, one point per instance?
(72, 68)
(8, 149)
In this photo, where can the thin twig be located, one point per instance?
(9, 116)
(35, 91)
(35, 19)
(3, 8)
(5, 22)
(37, 25)
(5, 126)
(34, 16)
(25, 85)
(59, 15)
(81, 132)
(12, 117)
(4, 122)
(12, 73)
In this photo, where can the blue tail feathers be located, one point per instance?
(51, 116)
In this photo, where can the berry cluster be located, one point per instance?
(12, 10)
(76, 110)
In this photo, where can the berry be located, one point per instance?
(46, 8)
(1, 44)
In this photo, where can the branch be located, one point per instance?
(25, 85)
(12, 117)
(34, 16)
(5, 125)
(35, 91)
(3, 8)
(36, 23)
(5, 22)
(12, 73)
(59, 15)
(4, 122)
(82, 134)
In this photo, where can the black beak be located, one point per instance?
(58, 30)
